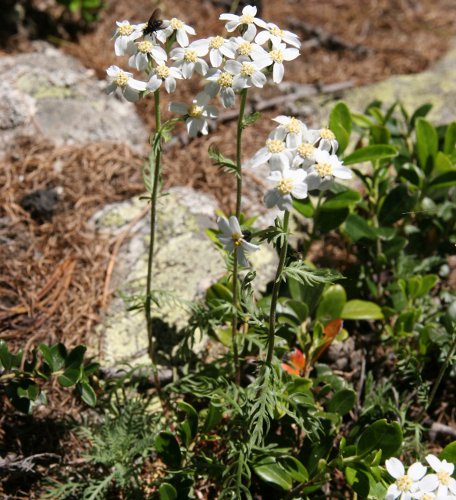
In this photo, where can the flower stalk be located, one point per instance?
(275, 288)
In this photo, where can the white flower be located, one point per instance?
(420, 495)
(247, 20)
(275, 153)
(276, 36)
(325, 168)
(218, 47)
(177, 26)
(275, 57)
(247, 51)
(245, 74)
(128, 85)
(323, 138)
(288, 183)
(221, 82)
(304, 155)
(188, 59)
(196, 114)
(124, 34)
(233, 239)
(143, 51)
(292, 128)
(405, 484)
(163, 73)
(441, 482)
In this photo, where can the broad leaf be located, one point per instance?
(361, 309)
(371, 153)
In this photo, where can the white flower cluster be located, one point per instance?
(300, 160)
(417, 484)
(165, 55)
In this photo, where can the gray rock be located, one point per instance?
(49, 94)
(186, 264)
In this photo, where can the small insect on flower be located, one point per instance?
(154, 23)
(294, 362)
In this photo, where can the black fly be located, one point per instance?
(154, 23)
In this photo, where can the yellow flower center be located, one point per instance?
(277, 32)
(246, 19)
(248, 69)
(225, 80)
(176, 24)
(216, 42)
(293, 126)
(195, 111)
(162, 71)
(121, 79)
(236, 237)
(427, 496)
(404, 483)
(325, 133)
(145, 46)
(305, 150)
(443, 477)
(245, 48)
(125, 30)
(275, 145)
(190, 55)
(285, 186)
(277, 55)
(323, 169)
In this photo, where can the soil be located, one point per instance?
(51, 272)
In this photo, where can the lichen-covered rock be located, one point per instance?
(186, 263)
(51, 95)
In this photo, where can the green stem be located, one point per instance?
(153, 213)
(442, 371)
(275, 289)
(237, 372)
(238, 152)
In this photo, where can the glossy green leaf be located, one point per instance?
(371, 153)
(443, 164)
(340, 122)
(357, 228)
(273, 473)
(54, 355)
(214, 416)
(381, 435)
(304, 207)
(344, 199)
(189, 426)
(449, 453)
(329, 220)
(358, 480)
(87, 393)
(5, 356)
(69, 377)
(427, 143)
(448, 179)
(361, 309)
(295, 469)
(332, 303)
(398, 203)
(168, 449)
(342, 402)
(450, 139)
(167, 492)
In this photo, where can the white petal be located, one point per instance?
(110, 88)
(290, 54)
(201, 67)
(275, 176)
(233, 67)
(258, 79)
(271, 198)
(416, 471)
(178, 107)
(228, 17)
(260, 157)
(113, 71)
(231, 25)
(392, 493)
(240, 82)
(154, 83)
(228, 97)
(452, 485)
(250, 10)
(137, 84)
(234, 224)
(216, 58)
(194, 125)
(262, 37)
(130, 94)
(249, 247)
(342, 172)
(278, 72)
(393, 465)
(182, 38)
(429, 483)
(241, 257)
(293, 140)
(170, 84)
(189, 30)
(442, 491)
(434, 462)
(299, 191)
(224, 226)
(227, 51)
(250, 32)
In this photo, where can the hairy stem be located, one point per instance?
(238, 152)
(153, 213)
(275, 289)
(237, 371)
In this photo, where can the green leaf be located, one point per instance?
(380, 435)
(304, 274)
(69, 377)
(443, 164)
(448, 179)
(344, 199)
(219, 292)
(222, 161)
(6, 359)
(167, 492)
(450, 139)
(167, 127)
(87, 393)
(340, 122)
(213, 417)
(371, 153)
(54, 356)
(449, 453)
(329, 220)
(250, 119)
(357, 228)
(342, 402)
(421, 112)
(168, 449)
(272, 472)
(358, 480)
(379, 134)
(332, 303)
(304, 207)
(361, 309)
(396, 205)
(427, 144)
(295, 469)
(189, 427)
(76, 357)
